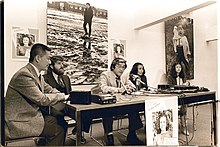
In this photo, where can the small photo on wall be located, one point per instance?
(118, 49)
(22, 41)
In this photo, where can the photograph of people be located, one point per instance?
(163, 126)
(177, 77)
(181, 46)
(24, 44)
(118, 50)
(137, 76)
(112, 81)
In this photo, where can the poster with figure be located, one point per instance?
(118, 48)
(179, 45)
(22, 41)
(162, 117)
(79, 33)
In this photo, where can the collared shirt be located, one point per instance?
(35, 68)
(55, 76)
(179, 81)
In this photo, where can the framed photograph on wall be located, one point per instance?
(118, 48)
(22, 40)
(179, 45)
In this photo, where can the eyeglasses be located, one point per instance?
(121, 66)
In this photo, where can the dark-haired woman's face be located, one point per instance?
(178, 68)
(26, 41)
(140, 70)
(163, 123)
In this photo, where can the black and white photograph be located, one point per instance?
(79, 33)
(22, 40)
(109, 73)
(119, 50)
(179, 44)
(24, 43)
(162, 119)
(163, 126)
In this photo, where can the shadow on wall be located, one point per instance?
(161, 78)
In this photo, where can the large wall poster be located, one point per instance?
(179, 44)
(69, 35)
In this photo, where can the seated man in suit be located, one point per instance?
(112, 82)
(26, 96)
(55, 77)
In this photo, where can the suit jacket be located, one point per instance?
(24, 97)
(49, 78)
(108, 82)
(59, 108)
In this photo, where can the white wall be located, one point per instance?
(22, 13)
(146, 46)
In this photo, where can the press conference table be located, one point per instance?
(130, 103)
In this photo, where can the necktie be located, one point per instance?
(60, 81)
(118, 82)
(39, 77)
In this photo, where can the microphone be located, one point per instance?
(125, 88)
(136, 77)
(141, 82)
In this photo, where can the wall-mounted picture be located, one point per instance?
(79, 33)
(118, 48)
(179, 45)
(22, 40)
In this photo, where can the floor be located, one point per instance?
(200, 137)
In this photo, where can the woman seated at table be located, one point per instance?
(177, 77)
(137, 76)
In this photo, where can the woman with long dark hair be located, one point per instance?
(177, 77)
(137, 76)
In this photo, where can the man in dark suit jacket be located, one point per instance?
(55, 77)
(27, 93)
(88, 15)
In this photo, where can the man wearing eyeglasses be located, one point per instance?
(114, 81)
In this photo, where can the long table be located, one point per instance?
(129, 103)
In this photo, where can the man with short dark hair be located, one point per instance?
(27, 96)
(114, 81)
(88, 15)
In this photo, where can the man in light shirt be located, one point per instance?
(114, 81)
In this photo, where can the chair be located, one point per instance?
(118, 129)
(194, 116)
(71, 122)
(34, 139)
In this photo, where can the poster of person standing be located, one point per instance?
(179, 44)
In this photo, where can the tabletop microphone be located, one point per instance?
(137, 78)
